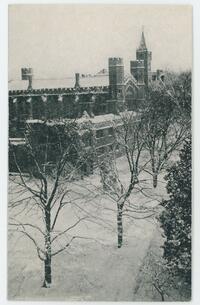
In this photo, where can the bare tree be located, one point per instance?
(166, 120)
(156, 274)
(129, 142)
(41, 190)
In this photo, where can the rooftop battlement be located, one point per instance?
(65, 91)
(115, 61)
(137, 64)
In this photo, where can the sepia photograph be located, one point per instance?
(100, 161)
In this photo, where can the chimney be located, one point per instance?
(27, 74)
(77, 81)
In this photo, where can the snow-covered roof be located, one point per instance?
(98, 80)
(87, 81)
(105, 120)
(95, 120)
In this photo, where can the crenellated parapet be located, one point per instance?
(56, 91)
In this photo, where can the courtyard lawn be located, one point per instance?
(91, 269)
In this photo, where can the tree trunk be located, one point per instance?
(47, 262)
(155, 180)
(119, 226)
(162, 297)
(154, 170)
(47, 272)
(159, 290)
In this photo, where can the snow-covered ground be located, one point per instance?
(92, 269)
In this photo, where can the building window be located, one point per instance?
(110, 131)
(87, 139)
(99, 133)
(162, 78)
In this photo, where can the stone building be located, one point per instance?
(103, 93)
(100, 96)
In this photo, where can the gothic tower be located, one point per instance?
(116, 82)
(142, 53)
(141, 67)
(116, 77)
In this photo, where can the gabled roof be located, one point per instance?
(130, 79)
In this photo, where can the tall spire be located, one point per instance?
(142, 41)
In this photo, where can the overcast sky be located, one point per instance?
(59, 40)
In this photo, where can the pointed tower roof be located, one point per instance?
(142, 43)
